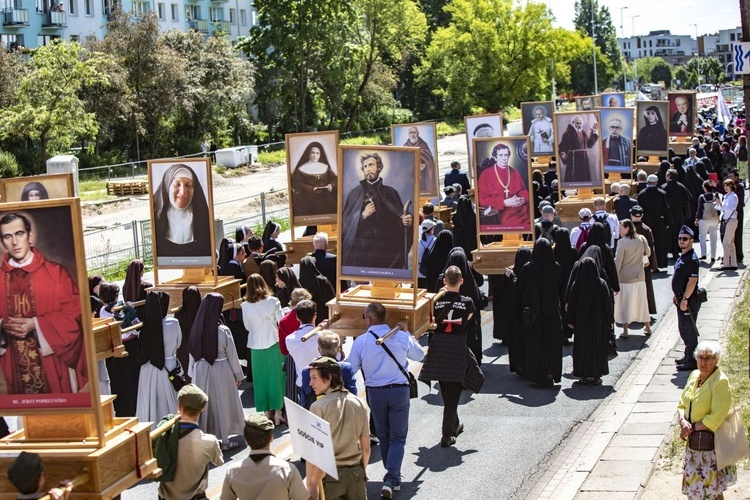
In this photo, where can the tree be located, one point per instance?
(493, 54)
(48, 108)
(710, 70)
(434, 11)
(11, 72)
(662, 72)
(574, 64)
(605, 33)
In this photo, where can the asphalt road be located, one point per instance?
(512, 427)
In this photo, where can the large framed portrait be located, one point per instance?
(588, 102)
(182, 214)
(682, 111)
(652, 139)
(504, 185)
(579, 150)
(378, 228)
(617, 139)
(613, 100)
(423, 136)
(538, 125)
(490, 125)
(313, 173)
(37, 187)
(47, 357)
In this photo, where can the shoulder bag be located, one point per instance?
(730, 438)
(413, 392)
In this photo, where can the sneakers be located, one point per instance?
(374, 439)
(386, 491)
(687, 367)
(445, 443)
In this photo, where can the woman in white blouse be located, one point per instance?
(261, 313)
(728, 207)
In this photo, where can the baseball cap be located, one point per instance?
(427, 224)
(651, 179)
(636, 210)
(548, 209)
(583, 213)
(192, 397)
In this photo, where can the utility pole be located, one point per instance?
(697, 52)
(593, 36)
(635, 59)
(622, 30)
(745, 20)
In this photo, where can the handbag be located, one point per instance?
(413, 391)
(730, 439)
(701, 295)
(700, 440)
(177, 377)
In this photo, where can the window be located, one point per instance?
(72, 7)
(140, 9)
(243, 17)
(161, 11)
(44, 40)
(232, 16)
(192, 12)
(88, 6)
(731, 37)
(41, 6)
(216, 14)
(11, 42)
(75, 38)
(175, 12)
(253, 20)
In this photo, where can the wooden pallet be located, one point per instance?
(124, 188)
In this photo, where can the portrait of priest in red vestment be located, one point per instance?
(42, 348)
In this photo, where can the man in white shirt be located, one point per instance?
(303, 352)
(602, 216)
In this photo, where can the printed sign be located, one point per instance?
(311, 437)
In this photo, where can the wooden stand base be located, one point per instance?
(352, 304)
(108, 338)
(125, 456)
(301, 247)
(650, 167)
(495, 257)
(444, 214)
(227, 286)
(541, 163)
(681, 145)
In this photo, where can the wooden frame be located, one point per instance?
(319, 212)
(60, 240)
(594, 100)
(400, 135)
(396, 162)
(595, 171)
(200, 253)
(536, 130)
(675, 127)
(473, 125)
(625, 115)
(656, 142)
(607, 100)
(54, 186)
(489, 218)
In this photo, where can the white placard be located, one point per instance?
(311, 437)
(742, 58)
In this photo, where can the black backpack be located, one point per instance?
(423, 261)
(607, 230)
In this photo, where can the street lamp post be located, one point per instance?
(697, 52)
(635, 59)
(593, 36)
(622, 30)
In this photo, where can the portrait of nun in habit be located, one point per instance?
(34, 191)
(181, 214)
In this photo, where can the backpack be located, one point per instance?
(607, 230)
(582, 236)
(546, 233)
(425, 258)
(709, 210)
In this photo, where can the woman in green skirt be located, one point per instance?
(261, 313)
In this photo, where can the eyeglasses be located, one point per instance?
(684, 238)
(363, 316)
(705, 359)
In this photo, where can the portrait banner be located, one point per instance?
(613, 100)
(579, 150)
(588, 102)
(480, 126)
(503, 170)
(313, 173)
(421, 135)
(617, 139)
(182, 221)
(682, 111)
(37, 187)
(377, 221)
(47, 358)
(652, 139)
(538, 125)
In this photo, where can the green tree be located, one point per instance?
(493, 54)
(574, 63)
(662, 72)
(645, 66)
(682, 78)
(47, 108)
(605, 33)
(434, 11)
(11, 72)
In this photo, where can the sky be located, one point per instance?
(710, 15)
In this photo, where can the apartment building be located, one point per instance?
(721, 46)
(674, 49)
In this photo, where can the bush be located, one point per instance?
(273, 157)
(8, 165)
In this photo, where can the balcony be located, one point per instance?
(16, 18)
(199, 25)
(219, 1)
(224, 26)
(55, 20)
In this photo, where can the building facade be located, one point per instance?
(27, 24)
(721, 46)
(674, 49)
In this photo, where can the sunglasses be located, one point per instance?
(684, 238)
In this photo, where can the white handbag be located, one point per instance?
(730, 439)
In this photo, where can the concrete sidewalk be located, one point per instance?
(613, 453)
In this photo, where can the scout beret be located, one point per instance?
(192, 397)
(259, 421)
(325, 362)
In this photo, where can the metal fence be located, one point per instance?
(110, 249)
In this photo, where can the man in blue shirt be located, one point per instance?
(383, 368)
(684, 287)
(455, 176)
(329, 345)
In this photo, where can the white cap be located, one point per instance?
(652, 179)
(584, 213)
(427, 224)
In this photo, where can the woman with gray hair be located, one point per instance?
(704, 404)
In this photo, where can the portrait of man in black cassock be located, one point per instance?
(377, 228)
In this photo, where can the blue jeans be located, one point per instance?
(390, 409)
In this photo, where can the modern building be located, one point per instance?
(27, 24)
(721, 46)
(674, 49)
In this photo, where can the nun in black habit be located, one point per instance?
(469, 288)
(598, 237)
(436, 261)
(590, 315)
(512, 317)
(539, 291)
(565, 256)
(318, 285)
(191, 301)
(270, 245)
(465, 226)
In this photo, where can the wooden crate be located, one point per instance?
(494, 258)
(302, 247)
(444, 214)
(568, 208)
(125, 188)
(226, 286)
(108, 338)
